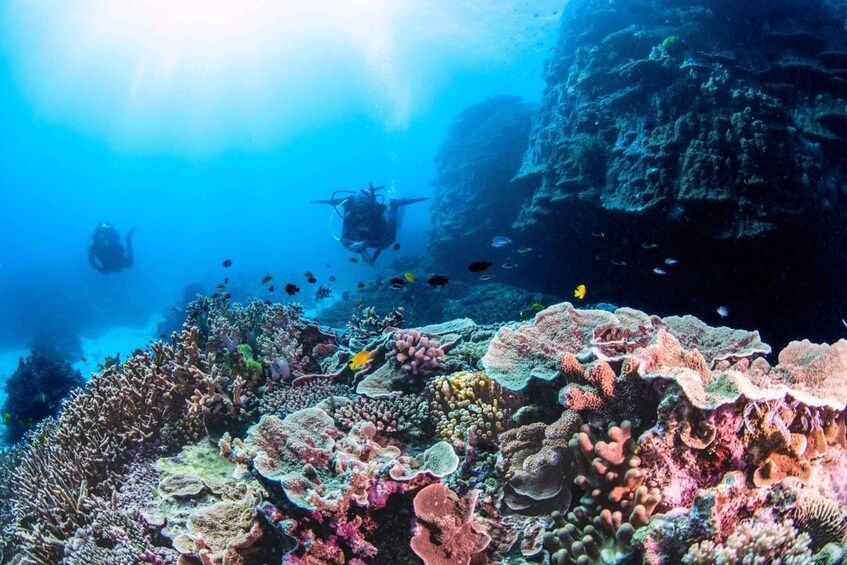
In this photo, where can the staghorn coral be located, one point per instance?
(284, 400)
(616, 502)
(388, 415)
(415, 352)
(74, 463)
(757, 542)
(470, 407)
(446, 533)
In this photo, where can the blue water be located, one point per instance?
(210, 130)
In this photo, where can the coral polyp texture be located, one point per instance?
(416, 353)
(592, 436)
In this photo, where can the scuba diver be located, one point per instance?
(369, 226)
(106, 253)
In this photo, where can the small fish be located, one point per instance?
(524, 249)
(579, 292)
(437, 280)
(659, 271)
(353, 260)
(271, 288)
(322, 292)
(618, 263)
(649, 245)
(291, 289)
(7, 418)
(537, 307)
(331, 278)
(409, 277)
(359, 359)
(500, 241)
(723, 312)
(360, 285)
(227, 296)
(83, 359)
(311, 280)
(220, 286)
(359, 305)
(43, 398)
(163, 336)
(509, 265)
(268, 302)
(308, 274)
(670, 261)
(844, 322)
(267, 279)
(599, 234)
(227, 263)
(226, 280)
(397, 281)
(486, 277)
(396, 247)
(478, 266)
(522, 315)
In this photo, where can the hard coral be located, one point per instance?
(616, 502)
(755, 542)
(388, 415)
(415, 352)
(446, 533)
(470, 407)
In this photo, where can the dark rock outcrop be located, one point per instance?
(712, 129)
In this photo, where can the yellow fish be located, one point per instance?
(409, 277)
(359, 359)
(537, 307)
(580, 292)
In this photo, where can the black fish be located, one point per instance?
(331, 278)
(267, 278)
(478, 266)
(220, 286)
(396, 246)
(322, 292)
(227, 296)
(271, 288)
(291, 289)
(360, 285)
(437, 280)
(308, 274)
(226, 280)
(83, 359)
(268, 302)
(227, 263)
(397, 281)
(353, 260)
(163, 336)
(311, 280)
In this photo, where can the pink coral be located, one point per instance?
(417, 353)
(446, 533)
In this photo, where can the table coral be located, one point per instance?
(470, 407)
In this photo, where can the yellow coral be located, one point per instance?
(470, 407)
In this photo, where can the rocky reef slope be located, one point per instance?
(712, 131)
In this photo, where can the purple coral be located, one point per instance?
(416, 353)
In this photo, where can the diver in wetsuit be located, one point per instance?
(369, 226)
(106, 253)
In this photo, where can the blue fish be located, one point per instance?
(500, 241)
(670, 261)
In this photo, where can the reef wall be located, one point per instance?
(710, 132)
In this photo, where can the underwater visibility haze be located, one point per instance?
(423, 282)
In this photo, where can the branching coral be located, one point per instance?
(615, 504)
(470, 407)
(370, 325)
(84, 454)
(388, 415)
(284, 400)
(757, 543)
(416, 353)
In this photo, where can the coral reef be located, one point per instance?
(417, 354)
(190, 453)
